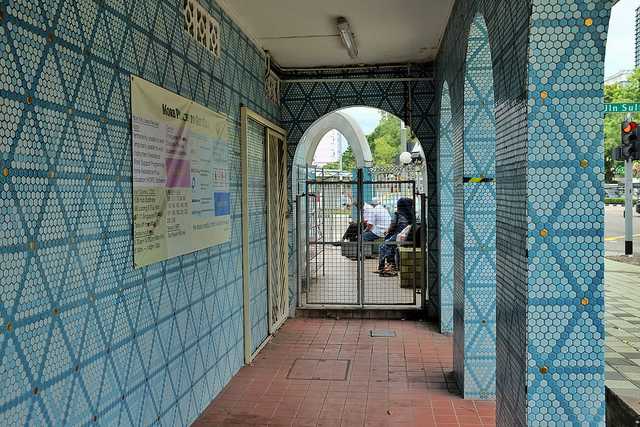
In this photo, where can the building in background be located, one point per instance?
(621, 77)
(638, 37)
(330, 149)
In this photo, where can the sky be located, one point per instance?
(621, 39)
(367, 118)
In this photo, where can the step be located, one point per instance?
(402, 313)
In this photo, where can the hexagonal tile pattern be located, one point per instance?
(445, 199)
(475, 219)
(85, 338)
(565, 346)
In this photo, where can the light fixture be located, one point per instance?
(405, 158)
(348, 39)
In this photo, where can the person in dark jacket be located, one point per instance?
(403, 217)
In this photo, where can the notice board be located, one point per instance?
(181, 200)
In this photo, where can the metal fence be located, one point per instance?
(346, 246)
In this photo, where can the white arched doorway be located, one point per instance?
(339, 276)
(309, 142)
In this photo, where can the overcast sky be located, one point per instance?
(621, 40)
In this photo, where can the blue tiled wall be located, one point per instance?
(445, 199)
(508, 28)
(549, 295)
(475, 288)
(302, 103)
(84, 336)
(565, 347)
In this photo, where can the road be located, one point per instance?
(614, 231)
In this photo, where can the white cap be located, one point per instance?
(375, 201)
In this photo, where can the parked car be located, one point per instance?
(611, 191)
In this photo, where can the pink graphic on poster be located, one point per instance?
(178, 173)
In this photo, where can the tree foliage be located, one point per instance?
(385, 141)
(348, 161)
(615, 93)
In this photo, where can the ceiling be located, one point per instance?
(302, 33)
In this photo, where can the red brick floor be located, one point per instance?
(401, 381)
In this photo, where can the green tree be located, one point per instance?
(348, 161)
(384, 141)
(618, 93)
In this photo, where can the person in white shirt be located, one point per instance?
(377, 221)
(367, 213)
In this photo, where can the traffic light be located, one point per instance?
(630, 141)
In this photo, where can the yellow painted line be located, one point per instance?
(612, 239)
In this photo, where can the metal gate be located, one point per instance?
(343, 256)
(277, 247)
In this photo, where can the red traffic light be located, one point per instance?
(630, 127)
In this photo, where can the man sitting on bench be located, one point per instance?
(377, 222)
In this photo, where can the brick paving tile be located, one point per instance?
(404, 380)
(622, 317)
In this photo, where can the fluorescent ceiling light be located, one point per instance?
(348, 39)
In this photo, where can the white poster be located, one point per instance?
(181, 200)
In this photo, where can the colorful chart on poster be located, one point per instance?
(181, 200)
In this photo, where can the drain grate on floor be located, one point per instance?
(319, 369)
(382, 333)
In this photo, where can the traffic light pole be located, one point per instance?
(628, 207)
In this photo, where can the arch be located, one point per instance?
(475, 221)
(479, 104)
(310, 140)
(304, 156)
(354, 135)
(304, 101)
(446, 224)
(344, 124)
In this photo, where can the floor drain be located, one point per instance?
(319, 369)
(382, 333)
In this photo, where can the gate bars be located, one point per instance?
(340, 262)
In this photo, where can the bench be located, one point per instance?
(411, 266)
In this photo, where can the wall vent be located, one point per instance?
(201, 26)
(272, 87)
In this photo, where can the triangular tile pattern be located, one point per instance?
(475, 293)
(84, 337)
(303, 103)
(539, 60)
(565, 340)
(445, 198)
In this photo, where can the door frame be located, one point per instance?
(247, 114)
(277, 319)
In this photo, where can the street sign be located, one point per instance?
(623, 107)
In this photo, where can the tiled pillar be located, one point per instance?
(445, 198)
(565, 309)
(475, 230)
